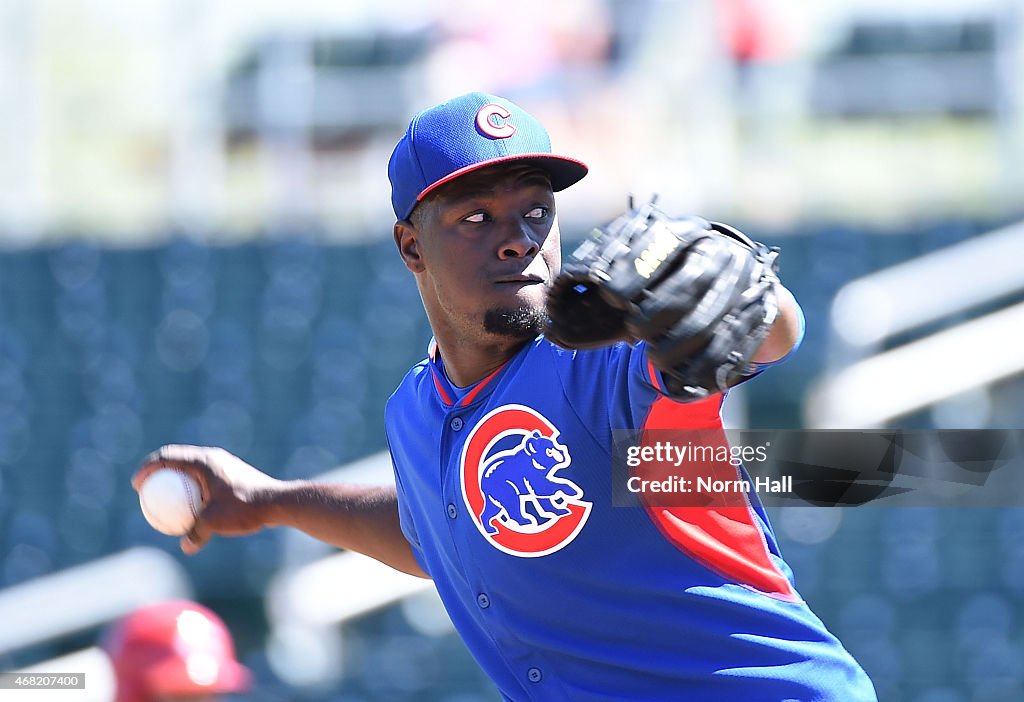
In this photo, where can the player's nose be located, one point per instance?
(518, 242)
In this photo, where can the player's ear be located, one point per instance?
(408, 243)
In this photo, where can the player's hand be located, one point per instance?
(235, 495)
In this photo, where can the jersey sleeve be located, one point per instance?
(613, 389)
(644, 386)
(405, 519)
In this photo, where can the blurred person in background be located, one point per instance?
(175, 651)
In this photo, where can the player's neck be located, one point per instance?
(468, 363)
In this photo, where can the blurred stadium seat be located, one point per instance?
(285, 351)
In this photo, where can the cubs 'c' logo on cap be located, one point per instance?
(491, 121)
(512, 487)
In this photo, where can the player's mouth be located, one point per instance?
(521, 280)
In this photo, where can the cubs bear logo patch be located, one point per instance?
(514, 483)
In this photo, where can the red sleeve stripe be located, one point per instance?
(655, 380)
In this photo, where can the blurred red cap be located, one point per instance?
(173, 648)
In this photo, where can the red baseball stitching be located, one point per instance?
(188, 489)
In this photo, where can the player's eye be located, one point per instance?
(476, 218)
(537, 213)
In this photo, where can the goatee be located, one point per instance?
(518, 323)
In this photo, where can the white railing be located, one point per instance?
(955, 279)
(88, 595)
(92, 663)
(319, 589)
(79, 598)
(865, 387)
(896, 383)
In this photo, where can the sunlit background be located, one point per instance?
(195, 246)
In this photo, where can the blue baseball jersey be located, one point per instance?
(505, 494)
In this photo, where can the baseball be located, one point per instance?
(171, 501)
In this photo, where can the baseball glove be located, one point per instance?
(701, 294)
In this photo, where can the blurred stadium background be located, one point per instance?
(195, 246)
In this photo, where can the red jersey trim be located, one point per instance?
(655, 379)
(471, 395)
(445, 398)
(726, 539)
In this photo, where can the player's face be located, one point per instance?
(488, 250)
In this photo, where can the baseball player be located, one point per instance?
(502, 438)
(174, 651)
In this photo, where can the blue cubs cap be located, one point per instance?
(465, 134)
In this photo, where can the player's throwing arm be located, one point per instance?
(238, 499)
